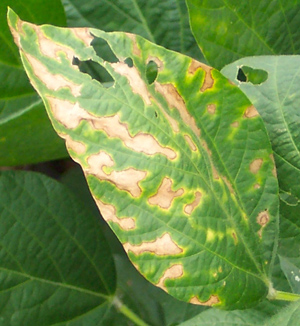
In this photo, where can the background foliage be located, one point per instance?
(27, 137)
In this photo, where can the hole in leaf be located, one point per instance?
(151, 72)
(129, 62)
(253, 76)
(95, 70)
(103, 50)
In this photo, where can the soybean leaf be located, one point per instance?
(162, 22)
(152, 304)
(55, 266)
(215, 317)
(292, 273)
(26, 135)
(227, 30)
(289, 316)
(183, 175)
(277, 100)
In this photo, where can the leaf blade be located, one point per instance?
(151, 181)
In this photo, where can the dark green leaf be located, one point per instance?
(289, 316)
(55, 266)
(25, 133)
(163, 22)
(227, 30)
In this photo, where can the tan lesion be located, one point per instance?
(163, 246)
(190, 142)
(127, 180)
(141, 142)
(251, 112)
(165, 195)
(262, 219)
(213, 299)
(173, 272)
(83, 34)
(53, 82)
(133, 76)
(76, 146)
(173, 98)
(67, 113)
(255, 165)
(208, 79)
(189, 208)
(109, 214)
(211, 109)
(135, 49)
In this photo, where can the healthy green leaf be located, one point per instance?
(227, 30)
(215, 317)
(26, 136)
(292, 273)
(183, 175)
(55, 266)
(289, 316)
(36, 11)
(162, 22)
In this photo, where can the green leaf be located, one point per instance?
(289, 316)
(26, 135)
(227, 30)
(215, 317)
(183, 175)
(163, 22)
(292, 273)
(277, 100)
(55, 266)
(36, 11)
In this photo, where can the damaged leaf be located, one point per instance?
(180, 167)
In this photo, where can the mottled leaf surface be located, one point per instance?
(227, 30)
(55, 266)
(26, 136)
(183, 175)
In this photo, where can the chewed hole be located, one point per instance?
(151, 72)
(129, 62)
(95, 70)
(254, 76)
(103, 50)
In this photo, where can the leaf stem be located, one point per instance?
(120, 306)
(286, 296)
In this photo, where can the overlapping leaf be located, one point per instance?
(181, 168)
(278, 100)
(56, 266)
(163, 22)
(25, 133)
(227, 30)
